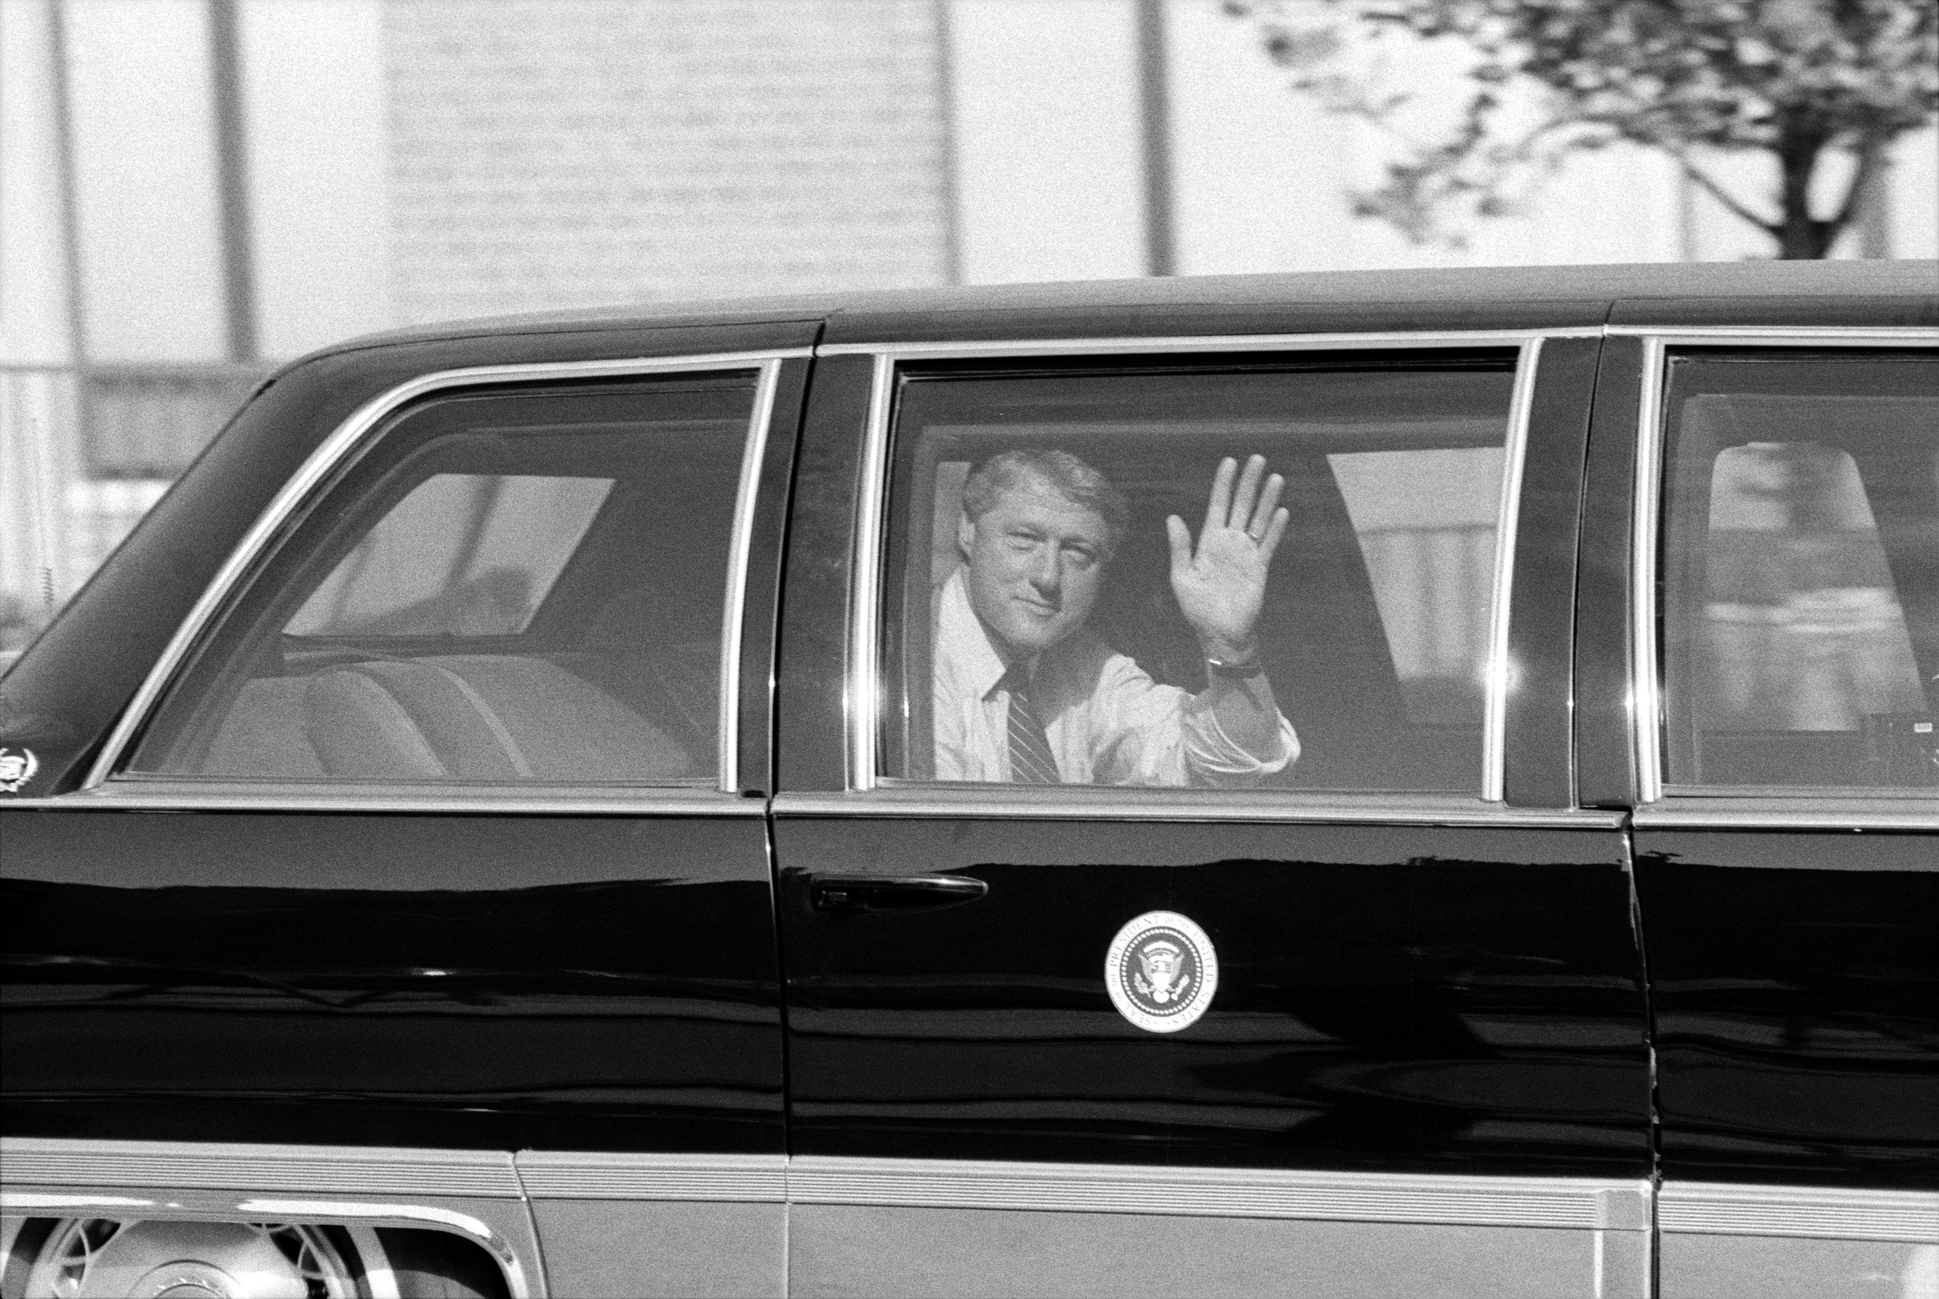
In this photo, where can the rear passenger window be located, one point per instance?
(1268, 572)
(509, 587)
(1801, 572)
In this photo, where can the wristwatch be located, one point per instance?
(1236, 669)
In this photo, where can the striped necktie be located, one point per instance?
(1031, 762)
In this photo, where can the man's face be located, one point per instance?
(1036, 563)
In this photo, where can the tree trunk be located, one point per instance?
(1801, 143)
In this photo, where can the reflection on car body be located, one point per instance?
(521, 817)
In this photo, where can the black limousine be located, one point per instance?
(1348, 784)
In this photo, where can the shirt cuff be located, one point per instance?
(1212, 754)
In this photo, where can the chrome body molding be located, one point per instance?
(309, 1170)
(140, 795)
(1581, 1203)
(943, 351)
(350, 436)
(1070, 803)
(865, 579)
(1725, 1209)
(555, 1175)
(1646, 718)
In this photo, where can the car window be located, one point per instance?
(1801, 572)
(462, 555)
(508, 588)
(1034, 631)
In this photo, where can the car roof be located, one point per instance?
(1748, 293)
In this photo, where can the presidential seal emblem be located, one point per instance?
(1161, 972)
(16, 769)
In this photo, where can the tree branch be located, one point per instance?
(1723, 196)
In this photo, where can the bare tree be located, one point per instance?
(1800, 80)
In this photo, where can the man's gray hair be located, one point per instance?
(1071, 478)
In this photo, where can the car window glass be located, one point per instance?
(1371, 617)
(508, 588)
(1801, 573)
(462, 555)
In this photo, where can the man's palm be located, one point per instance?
(1221, 586)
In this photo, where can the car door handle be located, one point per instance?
(894, 892)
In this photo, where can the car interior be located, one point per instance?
(1801, 639)
(1327, 635)
(585, 652)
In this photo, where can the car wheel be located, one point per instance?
(86, 1258)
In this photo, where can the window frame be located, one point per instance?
(359, 432)
(865, 687)
(1655, 805)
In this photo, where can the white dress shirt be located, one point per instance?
(1107, 721)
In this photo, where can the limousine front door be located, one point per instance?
(436, 886)
(1424, 1064)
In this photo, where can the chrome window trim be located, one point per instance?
(1815, 335)
(864, 699)
(863, 684)
(1683, 813)
(126, 795)
(349, 436)
(1590, 1204)
(1646, 689)
(1646, 703)
(1103, 803)
(739, 552)
(1494, 725)
(1821, 1212)
(1114, 345)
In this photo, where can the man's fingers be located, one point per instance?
(1181, 543)
(1247, 493)
(1274, 531)
(1220, 505)
(1262, 516)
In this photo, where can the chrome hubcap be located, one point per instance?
(97, 1258)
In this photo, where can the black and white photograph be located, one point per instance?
(969, 648)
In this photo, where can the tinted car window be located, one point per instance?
(1371, 631)
(1801, 571)
(507, 588)
(462, 555)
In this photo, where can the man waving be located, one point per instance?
(1025, 693)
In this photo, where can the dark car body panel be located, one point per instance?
(479, 982)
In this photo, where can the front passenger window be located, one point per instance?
(512, 587)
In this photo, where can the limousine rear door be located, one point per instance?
(1424, 1064)
(1782, 596)
(432, 865)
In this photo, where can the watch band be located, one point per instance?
(1236, 669)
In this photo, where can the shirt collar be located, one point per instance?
(964, 650)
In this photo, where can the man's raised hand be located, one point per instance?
(1222, 586)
